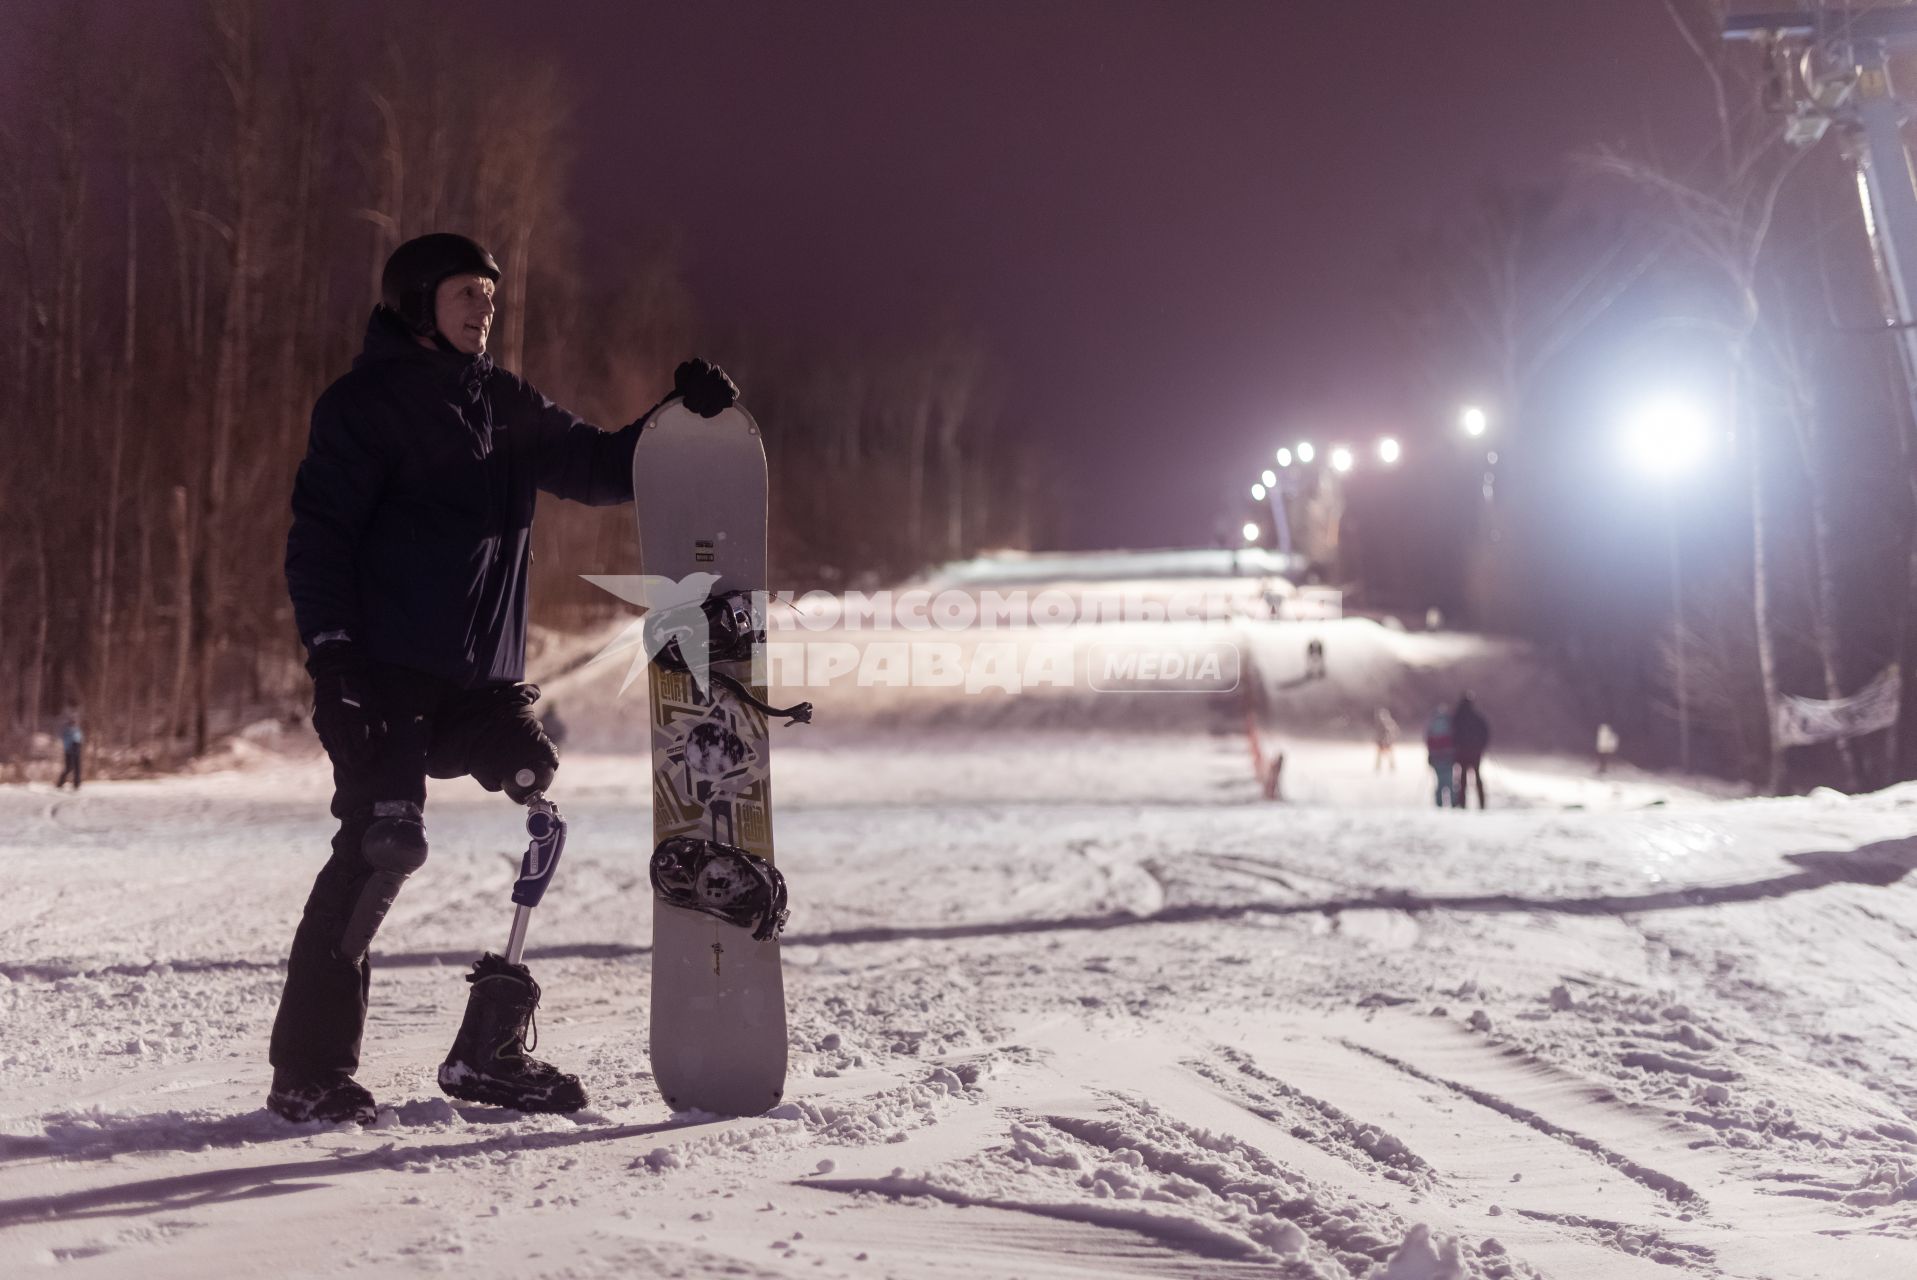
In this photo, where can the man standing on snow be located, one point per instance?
(1470, 735)
(72, 739)
(1606, 748)
(1385, 734)
(1438, 750)
(407, 565)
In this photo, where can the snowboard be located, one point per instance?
(718, 1038)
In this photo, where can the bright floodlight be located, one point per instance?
(1341, 459)
(1251, 532)
(1473, 421)
(1668, 436)
(1388, 451)
(1270, 478)
(1258, 493)
(1284, 457)
(1305, 452)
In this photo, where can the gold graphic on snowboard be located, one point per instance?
(716, 783)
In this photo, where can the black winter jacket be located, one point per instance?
(1470, 731)
(413, 508)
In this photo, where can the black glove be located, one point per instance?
(505, 748)
(704, 387)
(344, 716)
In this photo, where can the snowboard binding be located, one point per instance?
(725, 627)
(723, 881)
(730, 629)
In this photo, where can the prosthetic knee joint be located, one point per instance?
(394, 846)
(547, 833)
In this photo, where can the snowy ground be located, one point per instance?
(1063, 1005)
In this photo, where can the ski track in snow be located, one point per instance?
(1063, 1004)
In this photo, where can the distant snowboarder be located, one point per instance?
(1470, 735)
(1439, 751)
(407, 566)
(1273, 600)
(72, 739)
(1314, 659)
(1385, 734)
(1606, 748)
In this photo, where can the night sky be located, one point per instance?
(1174, 223)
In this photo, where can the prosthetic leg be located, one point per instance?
(490, 1060)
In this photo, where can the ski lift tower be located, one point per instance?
(1830, 67)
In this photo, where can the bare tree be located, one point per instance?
(1722, 211)
(192, 254)
(1499, 292)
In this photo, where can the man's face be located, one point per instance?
(463, 309)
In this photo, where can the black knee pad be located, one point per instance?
(394, 847)
(396, 840)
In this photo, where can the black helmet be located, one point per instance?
(412, 276)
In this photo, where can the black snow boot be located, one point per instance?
(331, 1099)
(489, 1062)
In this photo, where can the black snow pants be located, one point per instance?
(1468, 770)
(434, 729)
(71, 769)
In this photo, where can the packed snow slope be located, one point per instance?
(1065, 1002)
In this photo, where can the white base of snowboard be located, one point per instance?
(718, 1015)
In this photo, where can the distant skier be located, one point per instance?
(1439, 751)
(1385, 734)
(72, 739)
(1314, 659)
(1470, 734)
(1273, 600)
(407, 565)
(1606, 748)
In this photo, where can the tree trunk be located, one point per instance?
(100, 708)
(512, 350)
(1824, 614)
(36, 677)
(178, 514)
(915, 445)
(142, 633)
(1761, 611)
(232, 360)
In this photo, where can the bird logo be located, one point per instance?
(674, 613)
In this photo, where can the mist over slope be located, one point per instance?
(1032, 642)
